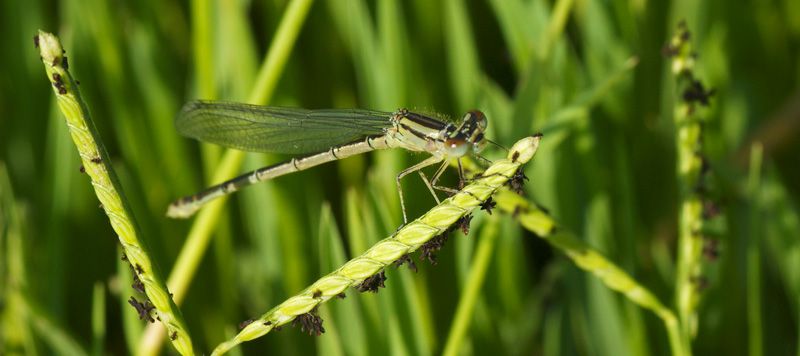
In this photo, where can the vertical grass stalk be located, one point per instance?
(754, 313)
(690, 165)
(472, 289)
(97, 165)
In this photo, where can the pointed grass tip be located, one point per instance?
(524, 149)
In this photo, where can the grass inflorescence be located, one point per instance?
(365, 272)
(692, 171)
(109, 191)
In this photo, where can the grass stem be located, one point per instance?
(97, 164)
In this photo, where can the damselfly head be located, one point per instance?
(468, 135)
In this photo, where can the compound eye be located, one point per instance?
(456, 147)
(480, 119)
(479, 143)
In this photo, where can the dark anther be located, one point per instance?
(341, 295)
(463, 223)
(697, 93)
(705, 165)
(143, 308)
(710, 209)
(517, 181)
(685, 35)
(372, 283)
(515, 156)
(310, 322)
(82, 169)
(711, 249)
(36, 41)
(317, 293)
(125, 257)
(245, 323)
(435, 244)
(406, 259)
(267, 323)
(137, 284)
(96, 160)
(66, 63)
(59, 84)
(519, 209)
(700, 282)
(488, 205)
(139, 269)
(700, 188)
(173, 336)
(56, 60)
(669, 50)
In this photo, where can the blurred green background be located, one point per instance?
(590, 75)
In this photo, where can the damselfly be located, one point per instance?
(320, 136)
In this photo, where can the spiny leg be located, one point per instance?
(436, 175)
(427, 162)
(462, 171)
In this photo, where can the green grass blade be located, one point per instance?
(754, 284)
(462, 56)
(472, 289)
(98, 319)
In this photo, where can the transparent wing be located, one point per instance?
(275, 129)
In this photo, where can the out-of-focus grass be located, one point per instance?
(606, 171)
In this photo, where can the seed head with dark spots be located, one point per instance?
(372, 283)
(310, 322)
(700, 282)
(463, 223)
(245, 323)
(427, 251)
(143, 308)
(696, 92)
(406, 259)
(137, 284)
(488, 205)
(517, 181)
(711, 249)
(710, 209)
